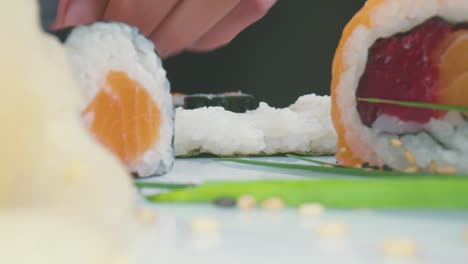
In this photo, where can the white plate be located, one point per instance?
(265, 237)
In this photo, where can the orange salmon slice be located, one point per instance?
(124, 117)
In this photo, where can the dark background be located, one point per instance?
(285, 55)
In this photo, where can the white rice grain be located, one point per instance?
(304, 127)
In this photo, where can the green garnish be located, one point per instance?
(431, 192)
(415, 104)
(156, 185)
(314, 161)
(378, 189)
(347, 171)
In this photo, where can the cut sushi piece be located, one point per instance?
(236, 102)
(128, 104)
(304, 128)
(403, 50)
(63, 198)
(49, 161)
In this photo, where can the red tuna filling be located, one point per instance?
(403, 68)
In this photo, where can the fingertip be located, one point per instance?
(259, 8)
(244, 15)
(167, 44)
(168, 54)
(187, 23)
(62, 9)
(162, 53)
(207, 46)
(58, 25)
(78, 12)
(55, 25)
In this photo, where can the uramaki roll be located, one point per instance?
(403, 50)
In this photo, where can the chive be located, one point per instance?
(430, 192)
(156, 185)
(415, 104)
(346, 171)
(310, 160)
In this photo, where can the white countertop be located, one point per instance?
(281, 237)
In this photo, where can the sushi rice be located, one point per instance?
(304, 128)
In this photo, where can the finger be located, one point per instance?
(78, 12)
(63, 5)
(187, 22)
(245, 14)
(143, 14)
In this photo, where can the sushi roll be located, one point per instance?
(128, 105)
(403, 50)
(63, 197)
(49, 161)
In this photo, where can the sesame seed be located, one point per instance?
(446, 170)
(225, 202)
(410, 158)
(146, 215)
(246, 202)
(432, 167)
(397, 247)
(396, 142)
(273, 203)
(311, 209)
(343, 150)
(332, 229)
(205, 225)
(385, 167)
(411, 170)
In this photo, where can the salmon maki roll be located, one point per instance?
(403, 50)
(128, 105)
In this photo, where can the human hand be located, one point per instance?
(173, 25)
